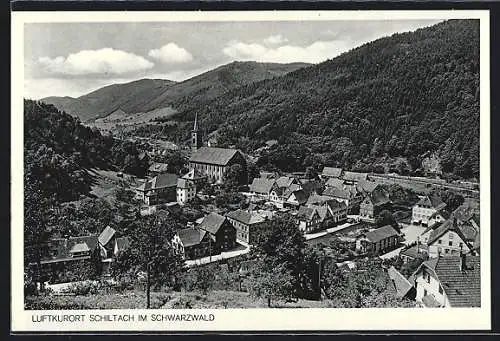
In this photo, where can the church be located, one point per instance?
(210, 161)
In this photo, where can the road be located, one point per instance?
(243, 249)
(331, 230)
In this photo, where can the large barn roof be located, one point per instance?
(213, 156)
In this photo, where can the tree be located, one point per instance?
(151, 251)
(273, 283)
(385, 218)
(281, 243)
(235, 177)
(252, 171)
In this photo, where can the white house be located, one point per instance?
(447, 240)
(186, 191)
(426, 211)
(449, 282)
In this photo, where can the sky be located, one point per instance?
(72, 59)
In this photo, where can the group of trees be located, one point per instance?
(400, 97)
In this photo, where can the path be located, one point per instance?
(243, 249)
(330, 230)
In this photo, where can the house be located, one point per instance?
(295, 198)
(308, 219)
(373, 204)
(157, 168)
(338, 211)
(353, 178)
(447, 239)
(221, 229)
(366, 186)
(402, 286)
(186, 191)
(316, 199)
(311, 186)
(121, 244)
(63, 255)
(160, 189)
(214, 163)
(331, 172)
(378, 241)
(350, 196)
(262, 187)
(449, 282)
(246, 224)
(277, 196)
(414, 252)
(424, 212)
(193, 243)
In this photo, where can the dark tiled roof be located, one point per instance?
(183, 183)
(334, 182)
(212, 222)
(306, 213)
(191, 236)
(213, 156)
(332, 172)
(462, 287)
(245, 217)
(318, 199)
(355, 176)
(336, 205)
(433, 201)
(448, 225)
(381, 233)
(160, 181)
(401, 284)
(106, 235)
(300, 195)
(337, 193)
(285, 181)
(262, 185)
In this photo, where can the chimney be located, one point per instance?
(463, 262)
(418, 245)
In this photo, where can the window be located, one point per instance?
(425, 292)
(440, 289)
(450, 235)
(450, 243)
(461, 245)
(446, 251)
(439, 241)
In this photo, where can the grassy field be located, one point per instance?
(220, 299)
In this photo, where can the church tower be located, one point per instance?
(195, 136)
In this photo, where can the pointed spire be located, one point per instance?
(196, 122)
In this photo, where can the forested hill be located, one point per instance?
(128, 98)
(59, 151)
(402, 96)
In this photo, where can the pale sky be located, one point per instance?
(72, 59)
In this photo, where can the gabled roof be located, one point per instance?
(337, 193)
(332, 172)
(335, 182)
(448, 225)
(122, 243)
(158, 167)
(415, 251)
(306, 213)
(300, 196)
(191, 236)
(379, 197)
(285, 181)
(92, 241)
(212, 222)
(401, 284)
(321, 210)
(462, 286)
(367, 186)
(383, 232)
(336, 205)
(106, 235)
(318, 199)
(262, 185)
(355, 176)
(245, 217)
(163, 180)
(432, 201)
(213, 156)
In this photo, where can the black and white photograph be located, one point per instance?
(276, 165)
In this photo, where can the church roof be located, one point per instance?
(213, 156)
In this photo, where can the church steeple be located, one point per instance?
(195, 137)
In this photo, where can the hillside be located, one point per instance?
(213, 83)
(407, 95)
(127, 98)
(147, 95)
